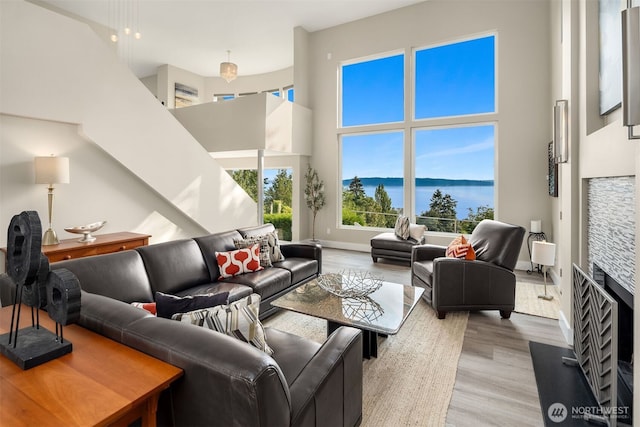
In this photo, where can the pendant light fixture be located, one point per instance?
(228, 70)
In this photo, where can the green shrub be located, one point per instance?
(349, 217)
(282, 223)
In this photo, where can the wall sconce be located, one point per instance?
(631, 68)
(561, 131)
(51, 170)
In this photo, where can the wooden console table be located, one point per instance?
(101, 382)
(104, 244)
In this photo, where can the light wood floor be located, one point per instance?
(495, 383)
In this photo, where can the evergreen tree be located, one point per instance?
(384, 202)
(442, 212)
(473, 218)
(281, 189)
(247, 179)
(357, 189)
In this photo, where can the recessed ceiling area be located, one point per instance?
(195, 35)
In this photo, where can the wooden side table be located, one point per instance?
(104, 244)
(101, 382)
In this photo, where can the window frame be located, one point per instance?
(410, 124)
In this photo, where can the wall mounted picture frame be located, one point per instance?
(185, 95)
(553, 171)
(610, 26)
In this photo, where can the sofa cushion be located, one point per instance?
(238, 319)
(219, 242)
(423, 270)
(392, 242)
(122, 275)
(174, 266)
(300, 268)
(257, 230)
(168, 305)
(291, 352)
(265, 282)
(239, 261)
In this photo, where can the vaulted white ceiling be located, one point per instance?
(195, 34)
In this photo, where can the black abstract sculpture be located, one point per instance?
(37, 286)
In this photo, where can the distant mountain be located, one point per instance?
(420, 182)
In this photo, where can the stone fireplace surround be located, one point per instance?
(611, 226)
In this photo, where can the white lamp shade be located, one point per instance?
(51, 170)
(543, 253)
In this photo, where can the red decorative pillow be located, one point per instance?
(147, 306)
(240, 261)
(460, 248)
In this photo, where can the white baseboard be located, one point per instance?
(346, 246)
(565, 327)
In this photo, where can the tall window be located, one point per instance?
(454, 177)
(455, 79)
(373, 91)
(372, 183)
(451, 139)
(278, 191)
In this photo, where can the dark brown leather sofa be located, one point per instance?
(226, 382)
(486, 283)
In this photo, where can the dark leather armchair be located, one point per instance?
(486, 283)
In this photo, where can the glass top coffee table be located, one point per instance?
(380, 312)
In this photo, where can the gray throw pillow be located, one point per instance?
(402, 227)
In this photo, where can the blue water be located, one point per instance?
(467, 196)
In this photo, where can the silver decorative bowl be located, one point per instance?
(86, 230)
(350, 284)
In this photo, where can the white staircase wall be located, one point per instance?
(55, 68)
(256, 122)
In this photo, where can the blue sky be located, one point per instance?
(453, 79)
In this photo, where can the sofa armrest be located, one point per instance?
(328, 391)
(303, 250)
(226, 381)
(458, 282)
(427, 252)
(107, 316)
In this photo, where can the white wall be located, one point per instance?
(524, 105)
(168, 75)
(100, 187)
(56, 69)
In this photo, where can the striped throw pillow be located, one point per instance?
(238, 319)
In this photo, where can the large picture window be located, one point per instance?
(455, 79)
(454, 186)
(372, 179)
(450, 135)
(373, 91)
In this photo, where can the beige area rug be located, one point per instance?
(527, 301)
(411, 381)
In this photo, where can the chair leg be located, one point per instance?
(375, 259)
(505, 314)
(441, 314)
